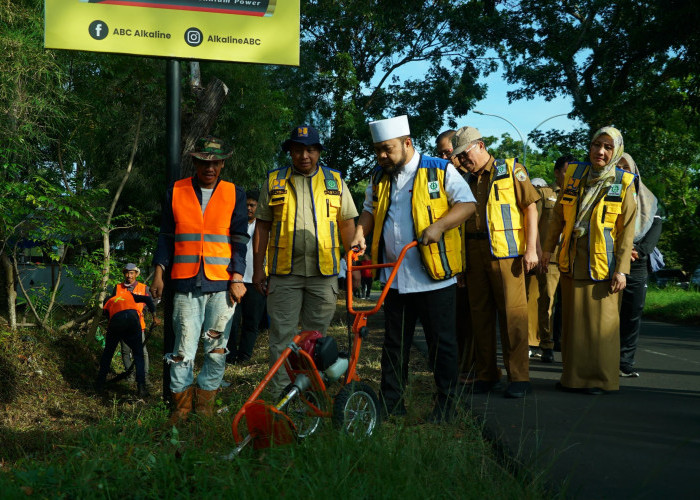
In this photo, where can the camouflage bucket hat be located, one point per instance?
(211, 148)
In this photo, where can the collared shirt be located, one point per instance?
(166, 243)
(248, 276)
(399, 232)
(305, 253)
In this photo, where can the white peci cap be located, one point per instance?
(391, 128)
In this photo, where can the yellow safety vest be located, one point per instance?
(602, 229)
(326, 194)
(443, 259)
(505, 221)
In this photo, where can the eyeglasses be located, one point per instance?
(445, 154)
(464, 153)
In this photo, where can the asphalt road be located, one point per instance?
(643, 442)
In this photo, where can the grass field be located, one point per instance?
(58, 439)
(674, 305)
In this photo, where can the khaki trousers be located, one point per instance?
(497, 286)
(292, 300)
(532, 285)
(541, 289)
(548, 288)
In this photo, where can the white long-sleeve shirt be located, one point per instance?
(398, 227)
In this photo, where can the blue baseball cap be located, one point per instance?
(303, 134)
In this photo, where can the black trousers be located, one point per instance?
(123, 326)
(633, 299)
(244, 330)
(436, 311)
(366, 286)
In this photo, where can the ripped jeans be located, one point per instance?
(195, 315)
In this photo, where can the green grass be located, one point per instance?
(123, 457)
(673, 304)
(60, 440)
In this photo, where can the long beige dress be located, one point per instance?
(590, 343)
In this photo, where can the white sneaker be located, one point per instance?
(629, 374)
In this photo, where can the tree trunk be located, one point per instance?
(209, 103)
(10, 293)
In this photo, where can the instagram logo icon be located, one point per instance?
(193, 37)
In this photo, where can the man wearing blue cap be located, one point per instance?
(304, 211)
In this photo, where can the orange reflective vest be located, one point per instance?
(119, 303)
(139, 289)
(202, 237)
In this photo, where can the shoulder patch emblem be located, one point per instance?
(521, 175)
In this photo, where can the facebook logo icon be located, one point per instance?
(98, 30)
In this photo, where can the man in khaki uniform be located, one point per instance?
(539, 303)
(500, 250)
(301, 210)
(548, 282)
(463, 323)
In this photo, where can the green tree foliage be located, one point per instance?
(368, 59)
(632, 64)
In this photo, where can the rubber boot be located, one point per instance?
(183, 406)
(205, 402)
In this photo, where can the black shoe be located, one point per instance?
(594, 391)
(558, 386)
(547, 356)
(443, 412)
(391, 409)
(143, 391)
(485, 386)
(517, 390)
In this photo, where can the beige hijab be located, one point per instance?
(598, 180)
(647, 204)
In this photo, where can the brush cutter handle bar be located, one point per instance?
(389, 281)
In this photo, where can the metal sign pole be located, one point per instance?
(173, 131)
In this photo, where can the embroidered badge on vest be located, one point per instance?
(615, 190)
(279, 186)
(332, 187)
(433, 187)
(501, 169)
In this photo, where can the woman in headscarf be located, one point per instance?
(594, 215)
(647, 229)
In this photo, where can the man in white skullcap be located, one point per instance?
(412, 196)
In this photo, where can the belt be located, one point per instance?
(477, 236)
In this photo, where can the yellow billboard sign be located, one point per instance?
(256, 31)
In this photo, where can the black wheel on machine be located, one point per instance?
(356, 409)
(305, 420)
